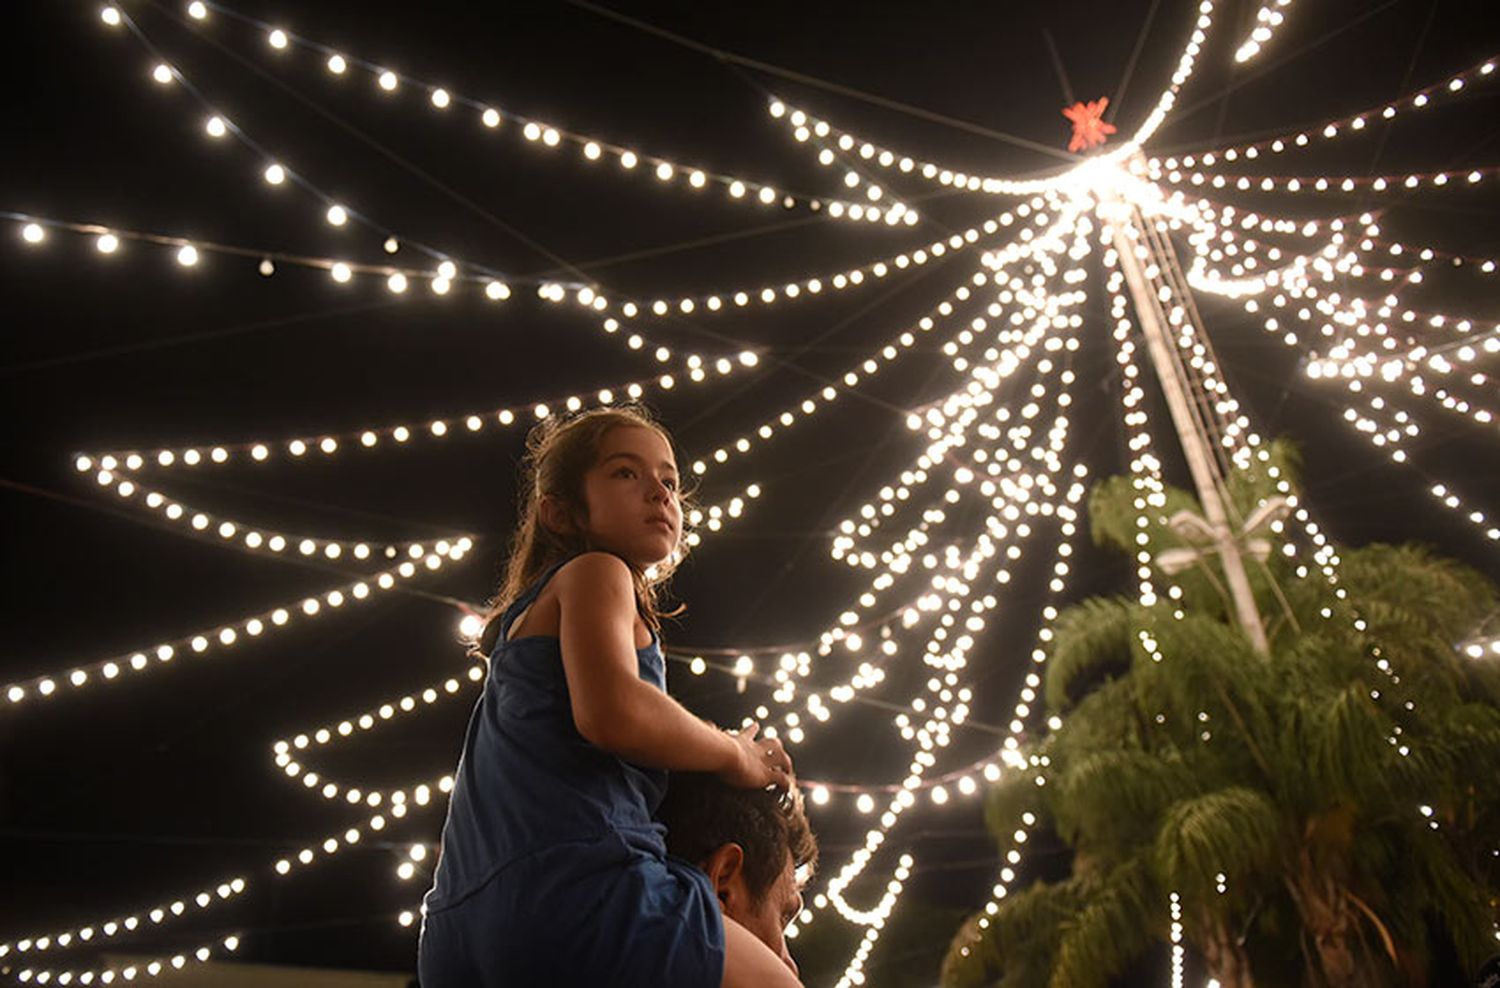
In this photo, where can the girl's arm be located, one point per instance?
(615, 710)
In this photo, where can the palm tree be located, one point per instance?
(1332, 800)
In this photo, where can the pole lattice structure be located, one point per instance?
(1136, 253)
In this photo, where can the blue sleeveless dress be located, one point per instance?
(552, 871)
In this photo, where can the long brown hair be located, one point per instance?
(559, 452)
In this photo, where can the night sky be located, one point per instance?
(121, 795)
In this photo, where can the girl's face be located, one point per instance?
(632, 496)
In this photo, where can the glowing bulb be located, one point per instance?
(337, 215)
(336, 64)
(216, 127)
(277, 38)
(33, 233)
(162, 73)
(197, 10)
(388, 81)
(396, 282)
(470, 626)
(440, 98)
(107, 243)
(490, 117)
(110, 16)
(341, 272)
(275, 174)
(187, 256)
(497, 291)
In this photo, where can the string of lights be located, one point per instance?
(189, 253)
(494, 117)
(130, 923)
(106, 670)
(131, 971)
(1343, 126)
(252, 538)
(1399, 183)
(809, 287)
(276, 174)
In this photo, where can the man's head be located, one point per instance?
(755, 846)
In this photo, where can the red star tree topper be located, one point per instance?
(1089, 126)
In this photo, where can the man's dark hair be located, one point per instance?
(702, 814)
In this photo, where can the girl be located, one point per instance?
(552, 871)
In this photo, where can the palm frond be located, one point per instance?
(1019, 938)
(1089, 637)
(1234, 831)
(1122, 915)
(1114, 798)
(1343, 736)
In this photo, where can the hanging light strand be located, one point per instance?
(40, 688)
(493, 117)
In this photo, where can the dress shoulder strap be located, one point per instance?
(528, 598)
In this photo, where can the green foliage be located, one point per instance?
(1236, 832)
(1322, 766)
(1095, 636)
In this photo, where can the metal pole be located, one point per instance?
(1194, 445)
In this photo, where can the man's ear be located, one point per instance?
(555, 516)
(725, 868)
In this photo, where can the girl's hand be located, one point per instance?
(762, 762)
